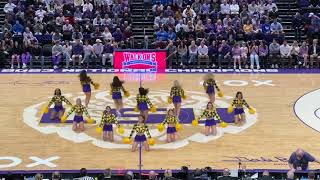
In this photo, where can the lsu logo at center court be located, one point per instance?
(193, 105)
(307, 109)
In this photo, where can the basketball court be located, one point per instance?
(287, 117)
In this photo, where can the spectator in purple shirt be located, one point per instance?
(224, 53)
(263, 54)
(206, 7)
(77, 51)
(116, 9)
(209, 27)
(117, 35)
(25, 58)
(299, 160)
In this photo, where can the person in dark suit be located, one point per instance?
(314, 52)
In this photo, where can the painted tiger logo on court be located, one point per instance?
(191, 107)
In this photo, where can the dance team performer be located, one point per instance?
(86, 82)
(58, 109)
(78, 121)
(140, 128)
(237, 107)
(210, 125)
(116, 88)
(173, 125)
(209, 85)
(107, 120)
(176, 94)
(142, 103)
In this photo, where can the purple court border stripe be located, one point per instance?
(296, 112)
(122, 171)
(168, 71)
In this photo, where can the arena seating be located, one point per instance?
(37, 26)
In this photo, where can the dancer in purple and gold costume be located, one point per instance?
(58, 109)
(176, 96)
(237, 107)
(143, 101)
(140, 129)
(210, 113)
(86, 82)
(116, 88)
(210, 85)
(107, 120)
(78, 121)
(172, 122)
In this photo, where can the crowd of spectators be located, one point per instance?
(252, 54)
(215, 33)
(307, 19)
(78, 32)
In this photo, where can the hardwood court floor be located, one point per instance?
(275, 135)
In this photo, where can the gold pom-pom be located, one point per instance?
(153, 109)
(220, 94)
(230, 109)
(195, 122)
(126, 94)
(252, 111)
(63, 119)
(223, 124)
(110, 93)
(136, 109)
(96, 86)
(99, 130)
(90, 120)
(120, 130)
(45, 110)
(169, 100)
(126, 140)
(178, 127)
(151, 141)
(160, 127)
(184, 97)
